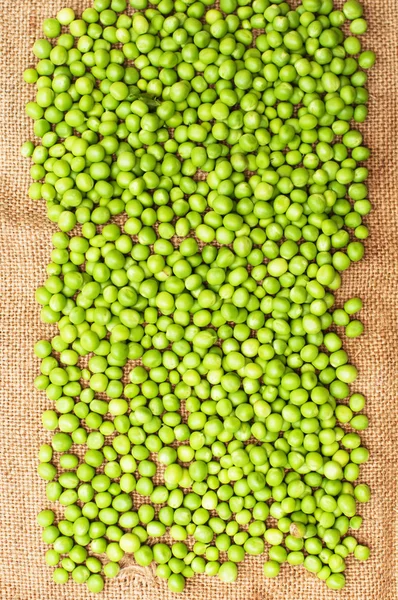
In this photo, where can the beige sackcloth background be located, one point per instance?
(25, 250)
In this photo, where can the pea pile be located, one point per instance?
(206, 174)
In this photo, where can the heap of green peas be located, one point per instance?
(205, 172)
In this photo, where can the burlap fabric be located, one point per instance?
(25, 237)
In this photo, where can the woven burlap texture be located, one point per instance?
(25, 250)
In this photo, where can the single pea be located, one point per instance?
(228, 572)
(271, 569)
(353, 305)
(354, 328)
